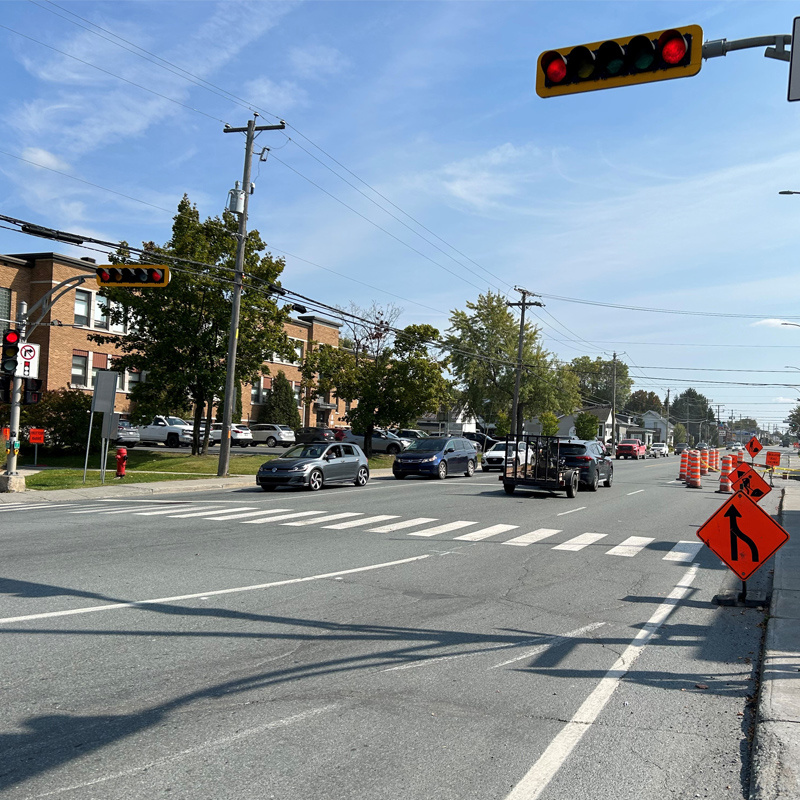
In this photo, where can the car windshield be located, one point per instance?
(629, 441)
(428, 445)
(305, 451)
(284, 427)
(572, 449)
(176, 421)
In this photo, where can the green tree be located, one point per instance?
(640, 402)
(280, 407)
(502, 426)
(586, 425)
(482, 345)
(549, 423)
(596, 380)
(64, 414)
(694, 410)
(679, 434)
(178, 336)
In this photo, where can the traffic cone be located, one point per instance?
(725, 476)
(693, 477)
(740, 456)
(684, 462)
(704, 462)
(714, 464)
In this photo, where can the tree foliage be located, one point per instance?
(694, 410)
(64, 415)
(679, 434)
(280, 406)
(178, 335)
(596, 379)
(793, 421)
(640, 402)
(586, 425)
(482, 345)
(549, 423)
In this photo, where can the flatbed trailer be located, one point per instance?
(541, 466)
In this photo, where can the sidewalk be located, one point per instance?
(776, 751)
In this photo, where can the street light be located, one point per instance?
(787, 191)
(793, 324)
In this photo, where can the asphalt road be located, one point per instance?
(415, 639)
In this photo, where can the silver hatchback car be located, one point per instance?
(314, 465)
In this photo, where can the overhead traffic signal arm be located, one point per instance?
(647, 57)
(145, 277)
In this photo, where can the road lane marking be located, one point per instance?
(215, 592)
(571, 511)
(544, 770)
(408, 523)
(282, 516)
(173, 509)
(485, 533)
(242, 513)
(133, 510)
(328, 518)
(217, 511)
(579, 542)
(636, 492)
(630, 547)
(34, 506)
(533, 536)
(448, 526)
(354, 523)
(550, 642)
(683, 552)
(104, 509)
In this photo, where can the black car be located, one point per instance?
(486, 442)
(593, 460)
(318, 433)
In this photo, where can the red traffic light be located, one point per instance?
(672, 46)
(11, 337)
(554, 66)
(133, 277)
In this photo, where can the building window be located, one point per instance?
(298, 349)
(100, 312)
(118, 327)
(298, 397)
(83, 307)
(80, 365)
(5, 306)
(133, 378)
(255, 392)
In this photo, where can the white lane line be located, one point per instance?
(533, 536)
(242, 513)
(571, 511)
(354, 523)
(399, 526)
(449, 526)
(175, 508)
(550, 641)
(485, 533)
(638, 491)
(683, 552)
(217, 510)
(579, 542)
(176, 598)
(542, 772)
(630, 547)
(282, 517)
(328, 518)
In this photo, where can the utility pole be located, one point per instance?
(614, 403)
(515, 428)
(666, 429)
(233, 336)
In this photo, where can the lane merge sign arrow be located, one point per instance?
(742, 534)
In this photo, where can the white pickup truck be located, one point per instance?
(171, 431)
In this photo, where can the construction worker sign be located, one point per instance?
(745, 479)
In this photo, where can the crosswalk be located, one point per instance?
(422, 527)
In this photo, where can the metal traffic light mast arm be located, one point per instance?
(721, 47)
(50, 298)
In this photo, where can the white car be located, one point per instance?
(240, 435)
(382, 441)
(495, 457)
(659, 449)
(272, 434)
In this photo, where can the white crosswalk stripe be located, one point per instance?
(579, 542)
(406, 523)
(327, 518)
(174, 509)
(533, 537)
(206, 511)
(107, 510)
(270, 518)
(129, 510)
(354, 523)
(241, 513)
(485, 533)
(446, 528)
(630, 547)
(683, 552)
(34, 506)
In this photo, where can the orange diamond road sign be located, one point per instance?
(742, 534)
(746, 480)
(773, 458)
(754, 447)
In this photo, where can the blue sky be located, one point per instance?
(663, 195)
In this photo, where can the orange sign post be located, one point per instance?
(754, 447)
(746, 480)
(743, 535)
(773, 458)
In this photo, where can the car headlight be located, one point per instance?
(300, 468)
(427, 460)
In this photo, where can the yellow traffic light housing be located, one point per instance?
(148, 276)
(647, 57)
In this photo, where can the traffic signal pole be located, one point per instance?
(16, 403)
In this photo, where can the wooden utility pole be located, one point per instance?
(516, 428)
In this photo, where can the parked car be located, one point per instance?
(485, 442)
(497, 456)
(240, 435)
(701, 446)
(272, 434)
(408, 433)
(314, 465)
(593, 460)
(319, 433)
(436, 457)
(681, 447)
(382, 441)
(171, 431)
(659, 449)
(631, 448)
(127, 435)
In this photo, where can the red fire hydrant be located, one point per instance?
(122, 459)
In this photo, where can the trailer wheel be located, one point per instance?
(509, 488)
(572, 486)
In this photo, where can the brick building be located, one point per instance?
(69, 359)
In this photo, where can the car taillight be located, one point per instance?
(582, 458)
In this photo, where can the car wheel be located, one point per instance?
(271, 441)
(484, 469)
(508, 488)
(399, 476)
(595, 481)
(392, 450)
(172, 440)
(362, 477)
(618, 458)
(572, 486)
(315, 480)
(470, 469)
(442, 471)
(267, 488)
(610, 479)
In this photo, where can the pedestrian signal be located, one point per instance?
(149, 276)
(33, 391)
(8, 366)
(657, 56)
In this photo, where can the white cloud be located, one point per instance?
(317, 61)
(44, 158)
(273, 96)
(771, 323)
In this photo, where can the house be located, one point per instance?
(663, 428)
(566, 423)
(69, 359)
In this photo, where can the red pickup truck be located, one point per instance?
(631, 448)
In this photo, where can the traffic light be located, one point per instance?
(10, 351)
(33, 391)
(146, 277)
(657, 56)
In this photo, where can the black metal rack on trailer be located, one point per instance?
(535, 462)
